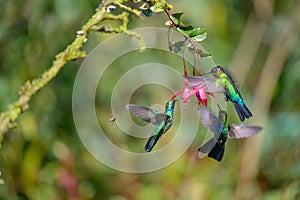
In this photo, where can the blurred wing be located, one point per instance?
(208, 84)
(207, 118)
(206, 148)
(243, 131)
(143, 113)
(160, 117)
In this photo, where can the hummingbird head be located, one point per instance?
(171, 104)
(217, 71)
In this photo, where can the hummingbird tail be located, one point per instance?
(242, 111)
(217, 152)
(151, 142)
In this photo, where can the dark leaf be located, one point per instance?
(204, 54)
(177, 15)
(192, 50)
(147, 13)
(186, 28)
(177, 47)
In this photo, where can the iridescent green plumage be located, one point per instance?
(162, 121)
(222, 83)
(224, 80)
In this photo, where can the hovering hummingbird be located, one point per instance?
(162, 121)
(222, 130)
(222, 83)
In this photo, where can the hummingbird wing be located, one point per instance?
(144, 113)
(210, 121)
(207, 118)
(208, 84)
(156, 134)
(206, 148)
(243, 131)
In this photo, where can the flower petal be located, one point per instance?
(200, 95)
(203, 98)
(186, 95)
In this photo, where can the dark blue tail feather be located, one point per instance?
(217, 152)
(242, 111)
(151, 142)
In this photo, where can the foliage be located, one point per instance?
(44, 149)
(72, 52)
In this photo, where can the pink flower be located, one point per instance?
(198, 92)
(186, 92)
(200, 95)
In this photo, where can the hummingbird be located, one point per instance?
(222, 130)
(222, 83)
(162, 121)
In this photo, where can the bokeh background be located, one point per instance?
(43, 158)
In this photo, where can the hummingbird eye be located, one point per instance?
(219, 68)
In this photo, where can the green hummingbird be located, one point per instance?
(222, 130)
(222, 83)
(162, 121)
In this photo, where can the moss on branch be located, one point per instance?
(73, 52)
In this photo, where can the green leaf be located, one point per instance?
(177, 15)
(196, 32)
(168, 23)
(182, 31)
(185, 30)
(187, 27)
(177, 21)
(200, 37)
(156, 9)
(190, 31)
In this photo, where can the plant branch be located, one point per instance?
(72, 52)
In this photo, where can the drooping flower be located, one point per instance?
(198, 92)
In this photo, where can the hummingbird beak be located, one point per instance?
(219, 107)
(177, 99)
(206, 73)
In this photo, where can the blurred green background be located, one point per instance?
(45, 159)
